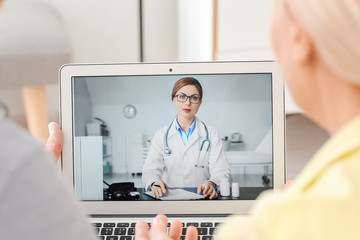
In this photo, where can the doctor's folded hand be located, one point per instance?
(208, 190)
(159, 188)
(158, 230)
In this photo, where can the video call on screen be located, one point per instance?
(115, 119)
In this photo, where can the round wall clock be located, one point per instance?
(129, 111)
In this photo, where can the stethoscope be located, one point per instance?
(168, 150)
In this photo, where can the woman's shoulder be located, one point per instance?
(17, 141)
(18, 148)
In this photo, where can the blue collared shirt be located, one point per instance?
(185, 135)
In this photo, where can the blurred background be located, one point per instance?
(38, 36)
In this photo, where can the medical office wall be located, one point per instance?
(134, 108)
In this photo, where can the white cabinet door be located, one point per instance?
(88, 168)
(243, 30)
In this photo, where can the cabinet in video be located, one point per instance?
(122, 191)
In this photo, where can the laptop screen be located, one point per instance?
(126, 136)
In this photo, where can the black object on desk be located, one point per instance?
(123, 191)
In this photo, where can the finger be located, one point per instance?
(199, 189)
(158, 192)
(175, 229)
(163, 187)
(213, 195)
(160, 222)
(211, 190)
(141, 231)
(287, 185)
(161, 218)
(153, 191)
(191, 233)
(55, 141)
(206, 190)
(159, 227)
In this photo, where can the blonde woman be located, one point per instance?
(317, 46)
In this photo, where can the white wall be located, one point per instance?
(243, 34)
(101, 31)
(108, 31)
(160, 30)
(194, 30)
(243, 30)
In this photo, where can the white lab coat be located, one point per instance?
(178, 169)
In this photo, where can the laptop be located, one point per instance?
(111, 112)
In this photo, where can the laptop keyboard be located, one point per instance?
(126, 230)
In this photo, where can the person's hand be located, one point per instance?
(287, 185)
(208, 190)
(159, 229)
(55, 141)
(159, 188)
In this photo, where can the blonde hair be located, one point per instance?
(335, 28)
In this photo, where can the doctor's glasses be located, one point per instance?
(183, 98)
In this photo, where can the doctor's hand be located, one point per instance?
(55, 141)
(208, 190)
(159, 188)
(159, 229)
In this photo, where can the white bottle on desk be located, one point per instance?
(235, 190)
(225, 188)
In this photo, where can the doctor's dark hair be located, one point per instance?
(184, 82)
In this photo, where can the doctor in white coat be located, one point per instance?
(187, 152)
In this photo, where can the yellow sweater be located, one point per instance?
(322, 203)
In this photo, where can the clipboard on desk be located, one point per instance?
(177, 194)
